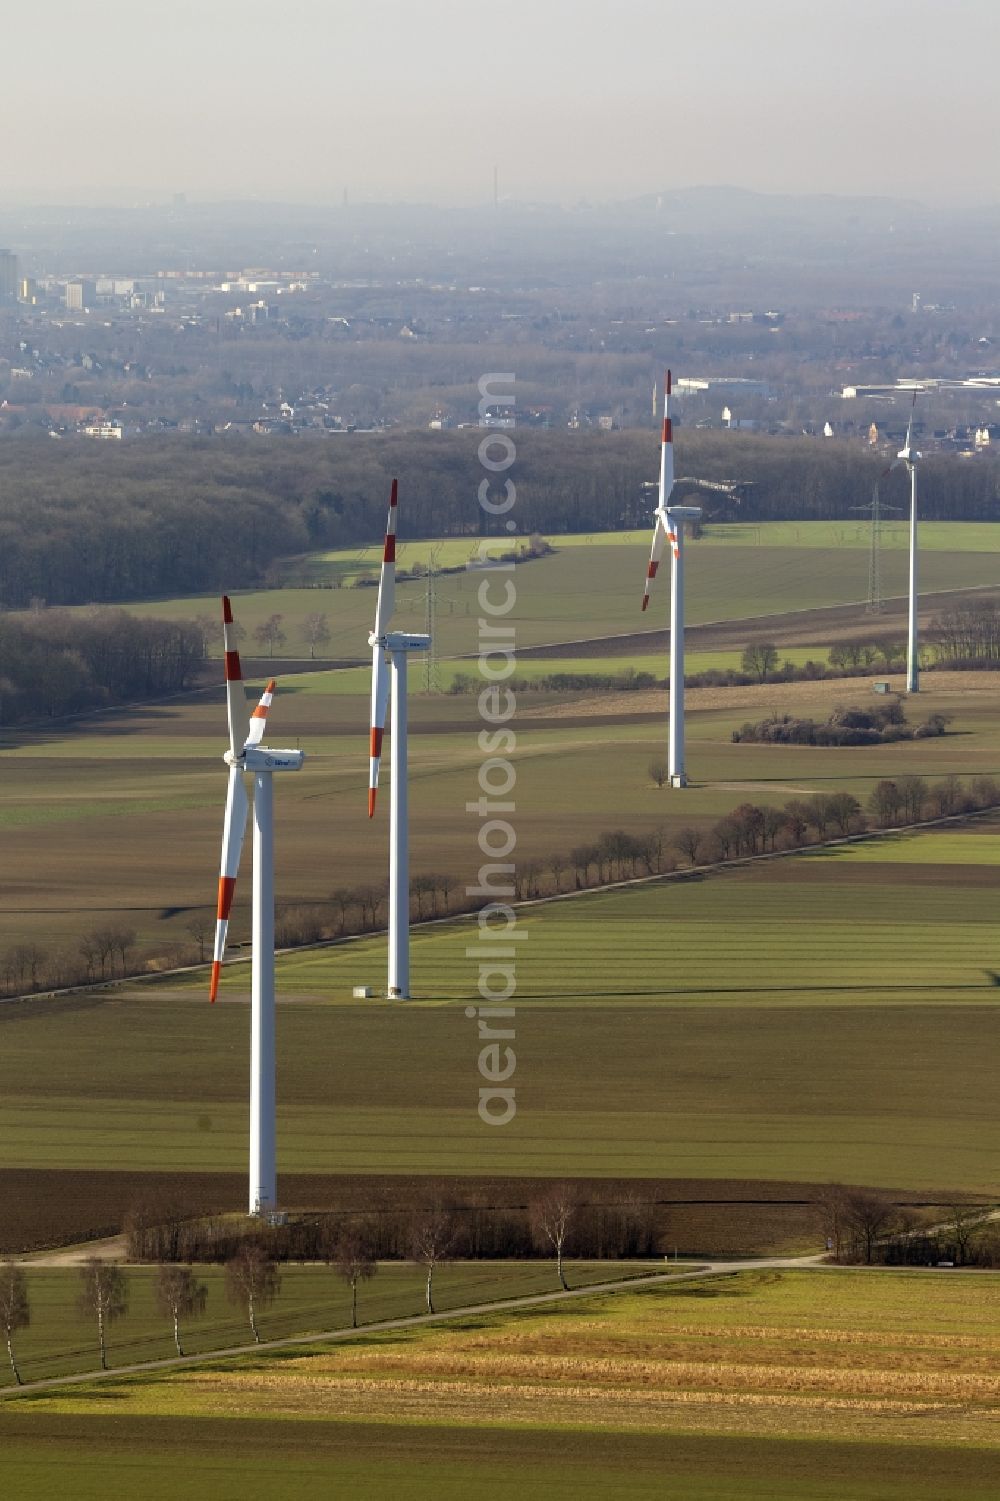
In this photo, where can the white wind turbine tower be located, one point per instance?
(668, 526)
(247, 755)
(908, 457)
(389, 654)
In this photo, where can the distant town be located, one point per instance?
(345, 332)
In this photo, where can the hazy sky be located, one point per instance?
(119, 98)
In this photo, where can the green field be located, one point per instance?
(595, 589)
(829, 1015)
(826, 1016)
(151, 781)
(357, 680)
(935, 536)
(818, 1386)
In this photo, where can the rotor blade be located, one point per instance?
(659, 537)
(380, 703)
(667, 445)
(672, 526)
(258, 719)
(233, 830)
(387, 582)
(236, 698)
(908, 445)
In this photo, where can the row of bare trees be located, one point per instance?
(968, 635)
(110, 952)
(754, 829)
(864, 1225)
(252, 1282)
(253, 1278)
(105, 953)
(616, 1226)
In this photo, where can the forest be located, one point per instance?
(108, 522)
(55, 663)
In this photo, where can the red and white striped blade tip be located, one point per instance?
(227, 610)
(651, 568)
(668, 383)
(213, 989)
(258, 719)
(374, 757)
(394, 493)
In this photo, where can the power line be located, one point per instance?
(877, 507)
(432, 683)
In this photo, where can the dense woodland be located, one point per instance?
(175, 515)
(55, 663)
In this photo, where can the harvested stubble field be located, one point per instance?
(817, 1385)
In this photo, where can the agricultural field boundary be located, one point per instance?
(709, 1270)
(733, 623)
(714, 867)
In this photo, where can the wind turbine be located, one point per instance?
(668, 526)
(389, 655)
(253, 757)
(908, 457)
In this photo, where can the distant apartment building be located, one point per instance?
(27, 291)
(8, 276)
(80, 294)
(696, 385)
(106, 430)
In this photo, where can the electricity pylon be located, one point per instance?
(432, 682)
(877, 508)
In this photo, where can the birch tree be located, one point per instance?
(551, 1217)
(179, 1295)
(15, 1310)
(104, 1295)
(252, 1281)
(352, 1256)
(432, 1238)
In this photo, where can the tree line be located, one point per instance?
(431, 1234)
(111, 952)
(618, 1227)
(56, 663)
(969, 635)
(187, 515)
(865, 1226)
(104, 1295)
(756, 829)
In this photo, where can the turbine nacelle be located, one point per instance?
(684, 513)
(263, 758)
(401, 641)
